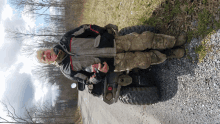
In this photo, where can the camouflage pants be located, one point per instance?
(129, 49)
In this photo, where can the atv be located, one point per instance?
(136, 87)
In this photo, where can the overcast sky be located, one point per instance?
(18, 86)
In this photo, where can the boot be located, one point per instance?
(157, 57)
(175, 53)
(181, 40)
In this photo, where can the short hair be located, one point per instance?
(39, 55)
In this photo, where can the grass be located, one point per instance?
(170, 16)
(123, 13)
(73, 13)
(201, 51)
(204, 48)
(170, 22)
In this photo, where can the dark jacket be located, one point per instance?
(91, 44)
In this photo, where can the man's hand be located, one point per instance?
(112, 29)
(115, 27)
(101, 67)
(97, 77)
(105, 67)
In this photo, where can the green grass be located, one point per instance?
(204, 1)
(201, 51)
(156, 13)
(204, 20)
(204, 48)
(191, 10)
(169, 12)
(176, 8)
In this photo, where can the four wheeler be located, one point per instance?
(136, 87)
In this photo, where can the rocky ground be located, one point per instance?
(190, 93)
(190, 90)
(95, 111)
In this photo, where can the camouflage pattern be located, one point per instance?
(130, 60)
(146, 40)
(176, 53)
(127, 60)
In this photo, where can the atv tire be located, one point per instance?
(80, 86)
(138, 29)
(139, 95)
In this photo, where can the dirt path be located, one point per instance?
(95, 111)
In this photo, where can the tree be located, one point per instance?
(40, 113)
(14, 118)
(36, 5)
(23, 33)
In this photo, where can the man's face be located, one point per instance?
(48, 56)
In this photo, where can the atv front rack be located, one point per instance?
(111, 92)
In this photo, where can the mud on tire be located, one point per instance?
(138, 29)
(139, 95)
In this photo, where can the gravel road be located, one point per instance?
(190, 94)
(95, 111)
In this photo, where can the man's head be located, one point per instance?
(47, 56)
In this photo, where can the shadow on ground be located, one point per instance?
(197, 18)
(165, 75)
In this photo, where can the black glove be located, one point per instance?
(100, 75)
(97, 77)
(111, 26)
(112, 29)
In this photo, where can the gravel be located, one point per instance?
(189, 90)
(190, 93)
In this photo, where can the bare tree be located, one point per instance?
(50, 73)
(37, 5)
(33, 6)
(14, 118)
(23, 33)
(49, 114)
(40, 113)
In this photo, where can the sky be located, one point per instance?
(18, 85)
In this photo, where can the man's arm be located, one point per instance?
(86, 30)
(70, 33)
(79, 76)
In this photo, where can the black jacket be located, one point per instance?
(84, 31)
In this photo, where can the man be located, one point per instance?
(89, 52)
